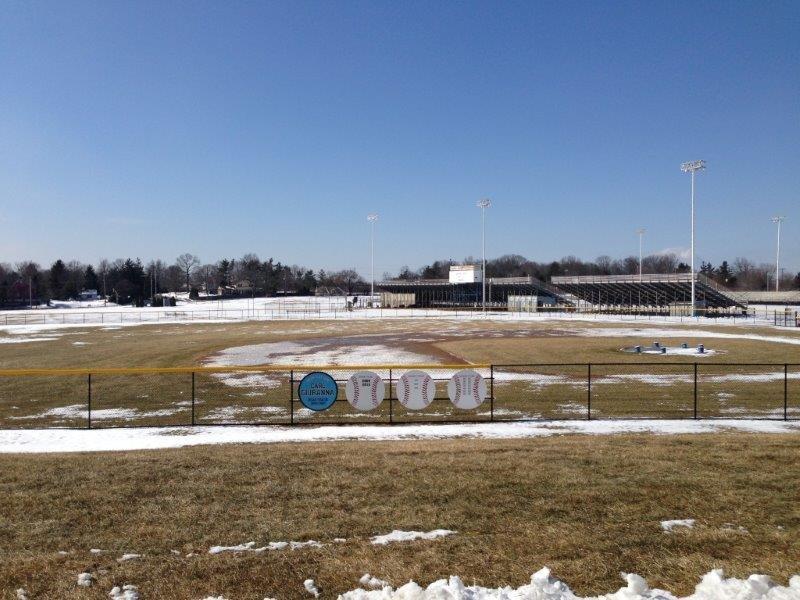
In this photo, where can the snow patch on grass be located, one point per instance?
(669, 526)
(26, 340)
(311, 587)
(407, 536)
(126, 592)
(251, 547)
(147, 438)
(127, 557)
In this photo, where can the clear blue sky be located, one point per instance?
(155, 128)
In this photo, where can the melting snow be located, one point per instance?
(668, 526)
(126, 557)
(406, 536)
(127, 592)
(373, 582)
(311, 588)
(251, 547)
(85, 579)
(327, 352)
(83, 440)
(25, 340)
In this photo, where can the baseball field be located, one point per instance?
(294, 520)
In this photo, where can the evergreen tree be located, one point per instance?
(57, 279)
(90, 280)
(725, 276)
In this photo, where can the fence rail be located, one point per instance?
(268, 395)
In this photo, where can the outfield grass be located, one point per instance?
(589, 507)
(551, 392)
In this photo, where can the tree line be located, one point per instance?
(130, 281)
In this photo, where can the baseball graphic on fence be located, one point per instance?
(365, 390)
(467, 389)
(416, 390)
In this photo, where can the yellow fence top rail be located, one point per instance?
(229, 369)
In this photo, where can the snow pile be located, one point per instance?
(22, 594)
(95, 551)
(406, 536)
(85, 579)
(668, 526)
(714, 586)
(127, 592)
(311, 588)
(368, 580)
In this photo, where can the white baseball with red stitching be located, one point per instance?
(416, 390)
(467, 389)
(365, 390)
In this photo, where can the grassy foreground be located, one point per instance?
(588, 507)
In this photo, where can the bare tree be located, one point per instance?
(186, 263)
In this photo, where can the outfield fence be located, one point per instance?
(158, 315)
(268, 395)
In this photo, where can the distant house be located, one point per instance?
(88, 295)
(240, 288)
(244, 286)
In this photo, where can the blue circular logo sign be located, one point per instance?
(318, 391)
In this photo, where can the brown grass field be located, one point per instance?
(589, 507)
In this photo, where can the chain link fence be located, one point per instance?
(105, 398)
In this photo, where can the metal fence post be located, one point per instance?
(291, 397)
(491, 392)
(589, 392)
(89, 401)
(193, 399)
(695, 391)
(785, 392)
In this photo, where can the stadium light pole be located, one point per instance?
(483, 205)
(692, 167)
(640, 231)
(778, 220)
(372, 217)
